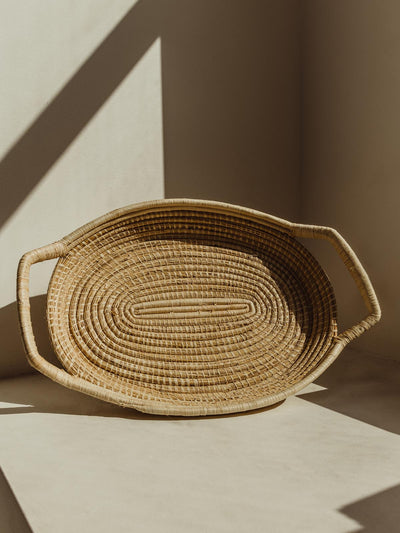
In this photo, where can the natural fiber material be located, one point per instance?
(187, 307)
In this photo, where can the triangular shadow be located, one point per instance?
(362, 386)
(72, 108)
(377, 513)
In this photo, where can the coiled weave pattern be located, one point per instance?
(191, 308)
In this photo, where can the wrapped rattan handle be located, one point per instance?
(51, 251)
(357, 272)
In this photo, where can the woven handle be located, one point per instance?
(51, 251)
(357, 272)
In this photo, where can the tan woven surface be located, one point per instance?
(189, 307)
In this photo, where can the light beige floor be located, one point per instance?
(325, 461)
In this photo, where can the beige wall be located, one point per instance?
(351, 152)
(109, 103)
(80, 134)
(231, 101)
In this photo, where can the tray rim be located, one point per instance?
(61, 247)
(174, 204)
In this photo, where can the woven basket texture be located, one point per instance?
(186, 310)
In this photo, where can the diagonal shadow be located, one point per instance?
(73, 107)
(377, 513)
(12, 518)
(361, 386)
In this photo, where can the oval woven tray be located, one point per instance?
(187, 307)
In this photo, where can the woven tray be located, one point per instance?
(187, 307)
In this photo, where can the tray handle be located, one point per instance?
(357, 272)
(51, 251)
